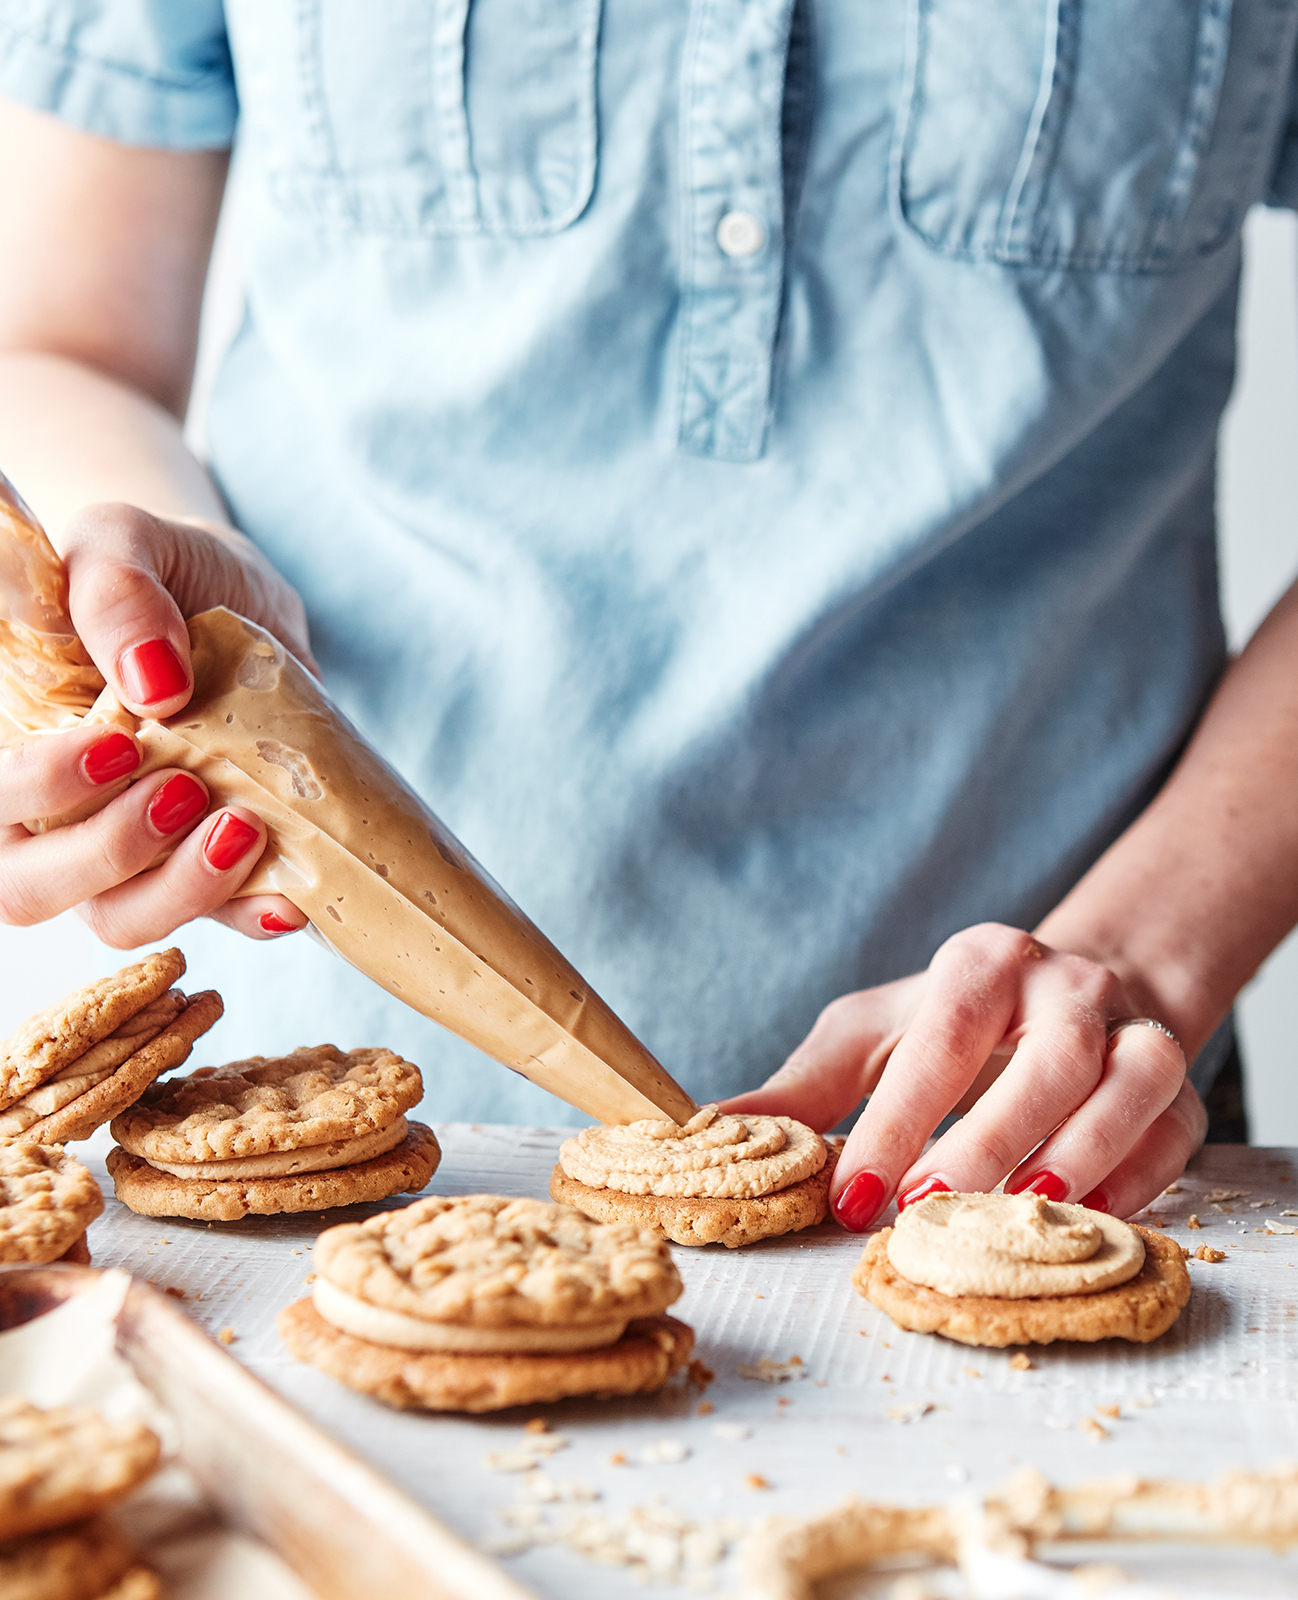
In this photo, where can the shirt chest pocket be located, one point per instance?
(1071, 133)
(423, 117)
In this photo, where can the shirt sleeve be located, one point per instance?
(142, 72)
(1283, 189)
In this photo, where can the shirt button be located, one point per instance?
(740, 234)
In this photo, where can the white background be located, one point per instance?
(1258, 502)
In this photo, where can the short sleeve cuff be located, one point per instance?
(167, 108)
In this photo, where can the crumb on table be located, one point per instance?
(1205, 1252)
(1021, 1361)
(227, 1335)
(754, 1480)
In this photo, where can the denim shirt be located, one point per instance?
(749, 464)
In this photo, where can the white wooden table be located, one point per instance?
(1220, 1390)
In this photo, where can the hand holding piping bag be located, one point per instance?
(216, 709)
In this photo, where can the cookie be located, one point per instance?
(64, 1464)
(484, 1261)
(46, 1202)
(81, 1562)
(642, 1360)
(1139, 1310)
(250, 1108)
(168, 1048)
(151, 1193)
(77, 1253)
(705, 1221)
(60, 1034)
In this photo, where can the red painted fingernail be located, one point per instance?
(922, 1190)
(180, 800)
(860, 1202)
(270, 923)
(1097, 1200)
(151, 672)
(231, 838)
(1049, 1184)
(111, 758)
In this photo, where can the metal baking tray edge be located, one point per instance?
(267, 1470)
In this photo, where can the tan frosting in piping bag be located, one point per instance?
(384, 882)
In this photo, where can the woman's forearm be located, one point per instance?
(1192, 898)
(71, 437)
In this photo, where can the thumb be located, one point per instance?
(123, 612)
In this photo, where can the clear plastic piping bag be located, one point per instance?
(385, 884)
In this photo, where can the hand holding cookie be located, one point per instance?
(1016, 1037)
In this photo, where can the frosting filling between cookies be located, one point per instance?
(350, 1314)
(1012, 1247)
(287, 1163)
(712, 1156)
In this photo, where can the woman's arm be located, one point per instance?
(1170, 923)
(103, 257)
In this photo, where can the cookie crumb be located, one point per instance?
(536, 1425)
(617, 1459)
(227, 1335)
(176, 1294)
(1172, 1188)
(768, 1371)
(1205, 1252)
(705, 1408)
(1021, 1361)
(698, 1375)
(1108, 1411)
(732, 1430)
(1093, 1429)
(1192, 1221)
(971, 1372)
(754, 1480)
(309, 1279)
(910, 1411)
(665, 1453)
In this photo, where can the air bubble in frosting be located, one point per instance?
(299, 769)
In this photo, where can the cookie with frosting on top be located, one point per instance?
(717, 1179)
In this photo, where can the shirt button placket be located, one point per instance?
(732, 228)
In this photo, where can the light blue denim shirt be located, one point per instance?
(749, 465)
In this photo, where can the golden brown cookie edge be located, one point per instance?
(75, 1217)
(1139, 1310)
(708, 1220)
(137, 1457)
(122, 1088)
(407, 1167)
(642, 1361)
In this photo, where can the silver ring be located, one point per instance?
(1115, 1028)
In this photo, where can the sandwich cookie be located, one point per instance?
(75, 1065)
(716, 1180)
(998, 1269)
(304, 1132)
(47, 1200)
(478, 1303)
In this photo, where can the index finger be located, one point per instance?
(968, 1007)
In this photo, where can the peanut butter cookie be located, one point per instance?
(641, 1361)
(61, 1465)
(152, 1193)
(1139, 1310)
(46, 1202)
(63, 1032)
(81, 1562)
(250, 1108)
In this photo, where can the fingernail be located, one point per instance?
(1097, 1200)
(231, 838)
(111, 758)
(1048, 1184)
(151, 672)
(928, 1186)
(179, 801)
(270, 923)
(860, 1202)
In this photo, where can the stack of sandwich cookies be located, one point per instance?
(318, 1128)
(59, 1471)
(997, 1269)
(75, 1065)
(716, 1180)
(479, 1303)
(47, 1200)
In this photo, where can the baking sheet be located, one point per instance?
(879, 1413)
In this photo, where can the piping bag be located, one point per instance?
(386, 885)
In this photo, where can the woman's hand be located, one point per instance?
(1016, 1036)
(133, 579)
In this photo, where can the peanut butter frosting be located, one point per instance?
(483, 1261)
(1012, 1247)
(712, 1156)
